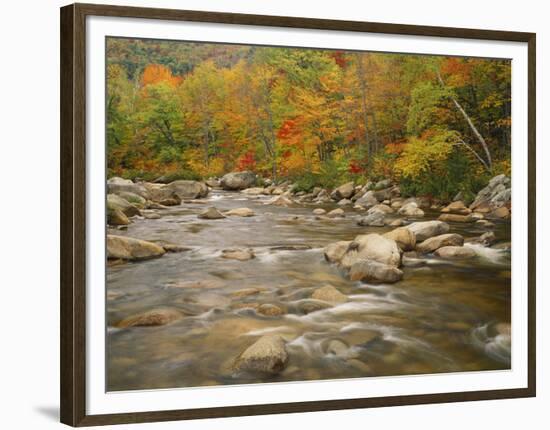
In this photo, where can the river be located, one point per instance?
(441, 317)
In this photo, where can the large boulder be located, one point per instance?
(496, 194)
(184, 189)
(343, 191)
(425, 229)
(153, 317)
(372, 247)
(367, 200)
(411, 209)
(268, 355)
(335, 251)
(238, 181)
(455, 252)
(373, 271)
(115, 202)
(129, 248)
(433, 243)
(118, 185)
(405, 238)
(502, 212)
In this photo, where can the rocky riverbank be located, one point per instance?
(301, 278)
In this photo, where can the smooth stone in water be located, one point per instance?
(267, 355)
(436, 242)
(319, 211)
(425, 229)
(405, 238)
(128, 248)
(329, 294)
(372, 247)
(211, 213)
(455, 252)
(335, 251)
(238, 254)
(153, 317)
(373, 271)
(242, 212)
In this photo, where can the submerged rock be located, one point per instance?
(128, 248)
(457, 252)
(267, 355)
(242, 212)
(153, 317)
(456, 218)
(211, 213)
(329, 294)
(238, 254)
(270, 310)
(336, 213)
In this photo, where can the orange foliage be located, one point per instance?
(155, 73)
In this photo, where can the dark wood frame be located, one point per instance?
(73, 213)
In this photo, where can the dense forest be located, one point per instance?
(437, 125)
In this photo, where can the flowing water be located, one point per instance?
(441, 317)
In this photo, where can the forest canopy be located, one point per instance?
(437, 125)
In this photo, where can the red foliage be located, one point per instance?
(354, 167)
(339, 59)
(246, 161)
(287, 129)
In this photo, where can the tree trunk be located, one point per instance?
(477, 134)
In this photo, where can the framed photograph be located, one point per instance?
(265, 215)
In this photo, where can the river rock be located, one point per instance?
(115, 202)
(380, 208)
(213, 182)
(502, 212)
(153, 317)
(117, 217)
(455, 218)
(344, 202)
(242, 212)
(238, 180)
(267, 355)
(319, 211)
(384, 183)
(335, 251)
(484, 223)
(336, 213)
(372, 247)
(373, 271)
(433, 243)
(405, 238)
(411, 209)
(129, 248)
(424, 230)
(382, 195)
(211, 213)
(375, 219)
(255, 191)
(343, 191)
(488, 238)
(281, 201)
(398, 222)
(270, 310)
(456, 207)
(455, 252)
(183, 189)
(329, 294)
(117, 186)
(238, 254)
(368, 200)
(134, 199)
(496, 194)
